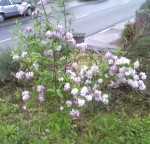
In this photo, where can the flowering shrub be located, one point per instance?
(49, 70)
(122, 71)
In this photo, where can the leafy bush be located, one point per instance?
(7, 67)
(128, 32)
(52, 70)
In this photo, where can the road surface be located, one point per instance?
(90, 18)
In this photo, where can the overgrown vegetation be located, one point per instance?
(42, 105)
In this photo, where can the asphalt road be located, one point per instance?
(90, 18)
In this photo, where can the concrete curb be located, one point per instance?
(107, 40)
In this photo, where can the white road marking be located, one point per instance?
(125, 2)
(104, 30)
(5, 40)
(81, 16)
(12, 22)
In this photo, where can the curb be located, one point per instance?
(100, 48)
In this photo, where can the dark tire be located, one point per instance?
(2, 17)
(29, 11)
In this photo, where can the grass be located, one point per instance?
(121, 123)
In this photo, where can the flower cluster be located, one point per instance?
(44, 2)
(21, 75)
(16, 57)
(57, 33)
(25, 95)
(82, 46)
(82, 89)
(124, 72)
(40, 89)
(29, 30)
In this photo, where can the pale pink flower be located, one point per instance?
(82, 46)
(67, 87)
(44, 2)
(110, 61)
(122, 69)
(122, 61)
(58, 33)
(41, 96)
(98, 98)
(136, 77)
(74, 65)
(77, 80)
(59, 28)
(88, 98)
(100, 81)
(113, 69)
(89, 74)
(97, 92)
(108, 55)
(69, 37)
(121, 75)
(88, 81)
(40, 88)
(84, 91)
(49, 34)
(74, 91)
(69, 103)
(94, 69)
(136, 65)
(105, 98)
(29, 30)
(25, 95)
(48, 52)
(135, 84)
(81, 102)
(59, 48)
(29, 75)
(15, 57)
(20, 75)
(122, 80)
(95, 87)
(74, 113)
(143, 76)
(115, 58)
(24, 54)
(130, 81)
(142, 86)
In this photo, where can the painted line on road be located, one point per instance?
(5, 40)
(81, 16)
(12, 22)
(104, 30)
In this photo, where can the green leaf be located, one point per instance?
(57, 126)
(51, 90)
(60, 94)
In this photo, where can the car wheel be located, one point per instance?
(2, 17)
(29, 11)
